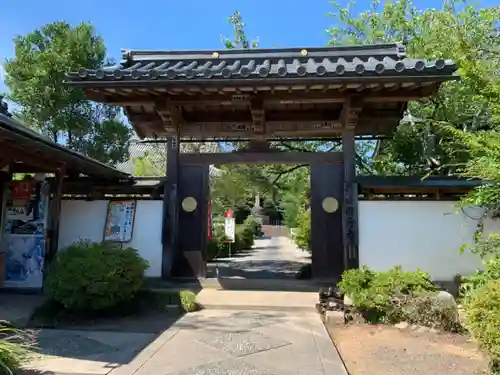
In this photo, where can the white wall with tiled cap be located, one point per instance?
(82, 219)
(413, 234)
(424, 235)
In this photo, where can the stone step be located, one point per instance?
(258, 300)
(290, 285)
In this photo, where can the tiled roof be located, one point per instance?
(35, 142)
(337, 62)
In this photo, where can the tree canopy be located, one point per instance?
(457, 31)
(35, 78)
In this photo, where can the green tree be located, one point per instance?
(240, 39)
(35, 78)
(465, 34)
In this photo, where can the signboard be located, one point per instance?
(120, 221)
(229, 228)
(22, 190)
(228, 214)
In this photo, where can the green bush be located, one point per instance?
(426, 309)
(491, 271)
(255, 224)
(188, 301)
(482, 316)
(15, 348)
(216, 249)
(377, 295)
(303, 234)
(244, 238)
(95, 276)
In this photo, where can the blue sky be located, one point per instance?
(174, 24)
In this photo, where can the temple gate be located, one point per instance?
(263, 95)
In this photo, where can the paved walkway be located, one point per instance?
(239, 333)
(209, 342)
(270, 258)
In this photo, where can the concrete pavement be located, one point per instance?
(240, 332)
(213, 342)
(208, 342)
(270, 258)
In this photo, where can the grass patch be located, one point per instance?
(52, 314)
(16, 347)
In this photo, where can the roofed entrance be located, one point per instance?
(262, 95)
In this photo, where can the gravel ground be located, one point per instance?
(381, 350)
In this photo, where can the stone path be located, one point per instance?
(270, 258)
(208, 342)
(213, 342)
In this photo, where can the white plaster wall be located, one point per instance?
(85, 220)
(424, 235)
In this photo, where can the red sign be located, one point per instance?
(228, 214)
(21, 190)
(210, 219)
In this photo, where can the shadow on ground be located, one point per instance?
(108, 340)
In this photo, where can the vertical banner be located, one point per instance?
(229, 228)
(210, 229)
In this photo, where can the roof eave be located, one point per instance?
(12, 126)
(254, 81)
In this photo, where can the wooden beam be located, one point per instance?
(170, 114)
(350, 206)
(258, 116)
(32, 158)
(170, 224)
(55, 214)
(330, 96)
(236, 117)
(352, 107)
(260, 158)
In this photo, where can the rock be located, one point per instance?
(334, 317)
(401, 325)
(447, 299)
(348, 301)
(446, 302)
(320, 308)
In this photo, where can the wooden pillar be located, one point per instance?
(170, 207)
(54, 216)
(350, 209)
(349, 117)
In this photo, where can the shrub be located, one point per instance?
(188, 301)
(244, 238)
(377, 295)
(488, 249)
(95, 276)
(303, 234)
(479, 278)
(15, 348)
(216, 248)
(426, 309)
(254, 224)
(482, 316)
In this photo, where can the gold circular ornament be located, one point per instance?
(189, 204)
(330, 205)
(303, 52)
(215, 55)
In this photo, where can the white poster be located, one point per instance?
(229, 228)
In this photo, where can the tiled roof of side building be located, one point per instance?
(382, 60)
